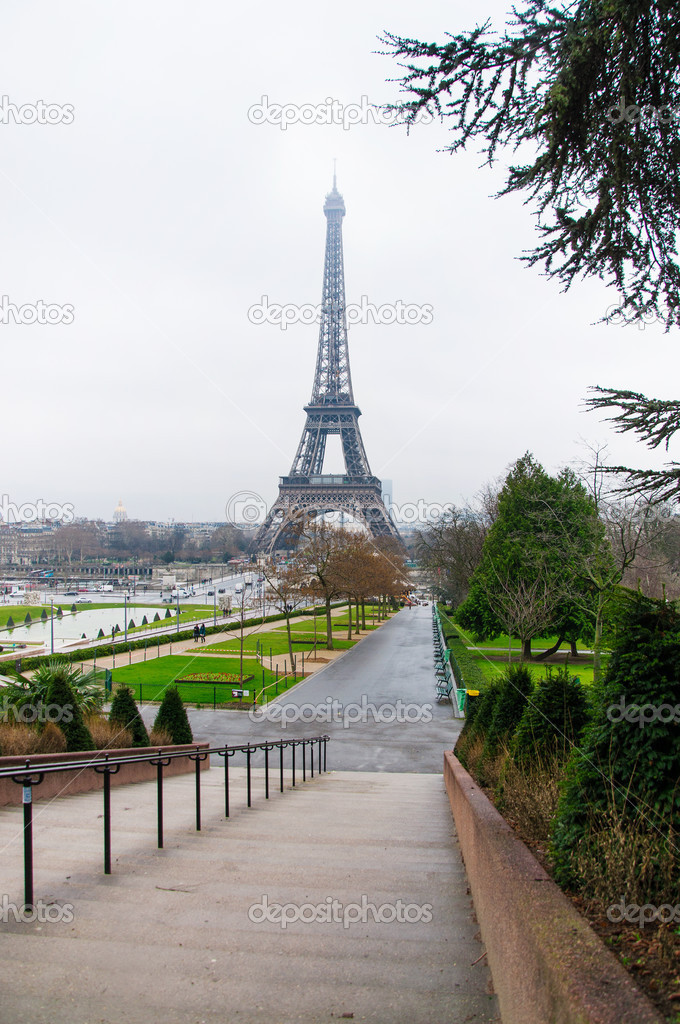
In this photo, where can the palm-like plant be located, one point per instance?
(23, 690)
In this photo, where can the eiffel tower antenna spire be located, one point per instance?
(335, 187)
(331, 410)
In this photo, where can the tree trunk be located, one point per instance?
(329, 626)
(290, 639)
(574, 649)
(349, 613)
(597, 645)
(357, 627)
(552, 650)
(526, 650)
(363, 615)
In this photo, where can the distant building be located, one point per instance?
(120, 513)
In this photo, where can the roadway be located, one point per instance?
(379, 697)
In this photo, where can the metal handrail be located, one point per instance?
(29, 775)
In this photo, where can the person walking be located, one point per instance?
(196, 634)
(202, 632)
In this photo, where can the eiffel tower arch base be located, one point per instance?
(363, 501)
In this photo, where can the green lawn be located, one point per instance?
(277, 640)
(149, 680)
(493, 668)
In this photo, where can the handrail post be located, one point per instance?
(28, 846)
(107, 770)
(248, 775)
(293, 749)
(281, 764)
(304, 760)
(160, 764)
(27, 782)
(226, 783)
(159, 795)
(107, 823)
(266, 773)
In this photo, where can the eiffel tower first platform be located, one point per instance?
(307, 491)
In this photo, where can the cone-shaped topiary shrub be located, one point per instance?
(59, 613)
(173, 718)
(145, 621)
(131, 624)
(125, 713)
(43, 615)
(552, 721)
(74, 607)
(167, 613)
(156, 617)
(10, 623)
(516, 685)
(28, 620)
(64, 708)
(100, 634)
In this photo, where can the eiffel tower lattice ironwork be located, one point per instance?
(332, 410)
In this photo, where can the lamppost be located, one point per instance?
(125, 599)
(178, 611)
(52, 625)
(214, 606)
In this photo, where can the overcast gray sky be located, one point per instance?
(162, 214)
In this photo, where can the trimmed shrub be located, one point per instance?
(28, 620)
(131, 624)
(172, 717)
(60, 695)
(476, 728)
(125, 714)
(167, 614)
(629, 761)
(156, 617)
(10, 623)
(145, 621)
(553, 720)
(515, 686)
(74, 608)
(100, 634)
(43, 616)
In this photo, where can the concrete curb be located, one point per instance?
(546, 962)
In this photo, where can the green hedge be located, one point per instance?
(106, 650)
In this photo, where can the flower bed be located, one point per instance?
(215, 677)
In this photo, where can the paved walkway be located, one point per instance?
(167, 938)
(377, 702)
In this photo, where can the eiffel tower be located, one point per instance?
(307, 490)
